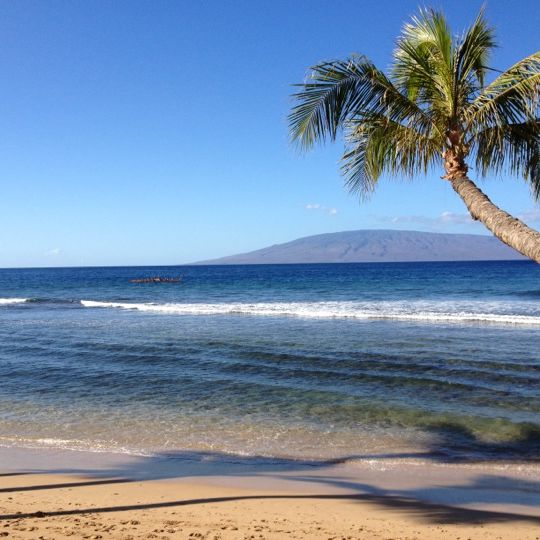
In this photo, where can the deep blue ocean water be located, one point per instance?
(318, 361)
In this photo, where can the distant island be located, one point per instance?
(377, 246)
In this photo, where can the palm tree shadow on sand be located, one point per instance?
(443, 504)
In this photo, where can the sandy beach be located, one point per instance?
(49, 494)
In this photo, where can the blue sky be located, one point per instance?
(156, 133)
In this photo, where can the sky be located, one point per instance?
(155, 132)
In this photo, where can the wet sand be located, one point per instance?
(50, 494)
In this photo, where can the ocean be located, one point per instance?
(436, 361)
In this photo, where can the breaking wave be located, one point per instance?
(453, 312)
(7, 301)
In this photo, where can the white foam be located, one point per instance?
(456, 312)
(6, 301)
(71, 444)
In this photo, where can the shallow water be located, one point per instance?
(436, 360)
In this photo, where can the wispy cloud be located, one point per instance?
(54, 252)
(449, 219)
(321, 208)
(435, 223)
(530, 216)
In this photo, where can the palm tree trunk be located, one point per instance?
(510, 230)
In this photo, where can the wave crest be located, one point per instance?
(410, 311)
(7, 301)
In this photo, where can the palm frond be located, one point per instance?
(341, 90)
(473, 51)
(378, 145)
(513, 148)
(512, 98)
(423, 60)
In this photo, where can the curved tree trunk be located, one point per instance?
(510, 230)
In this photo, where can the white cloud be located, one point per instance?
(530, 216)
(439, 222)
(54, 252)
(452, 218)
(320, 208)
(435, 223)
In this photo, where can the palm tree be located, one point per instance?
(434, 107)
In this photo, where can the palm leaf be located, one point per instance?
(423, 60)
(472, 53)
(341, 90)
(511, 98)
(378, 145)
(513, 148)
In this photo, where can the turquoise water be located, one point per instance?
(435, 360)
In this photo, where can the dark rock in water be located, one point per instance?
(378, 246)
(156, 279)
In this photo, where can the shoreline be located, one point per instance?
(42, 455)
(119, 496)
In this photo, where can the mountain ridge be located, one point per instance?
(376, 245)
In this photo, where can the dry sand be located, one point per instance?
(195, 499)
